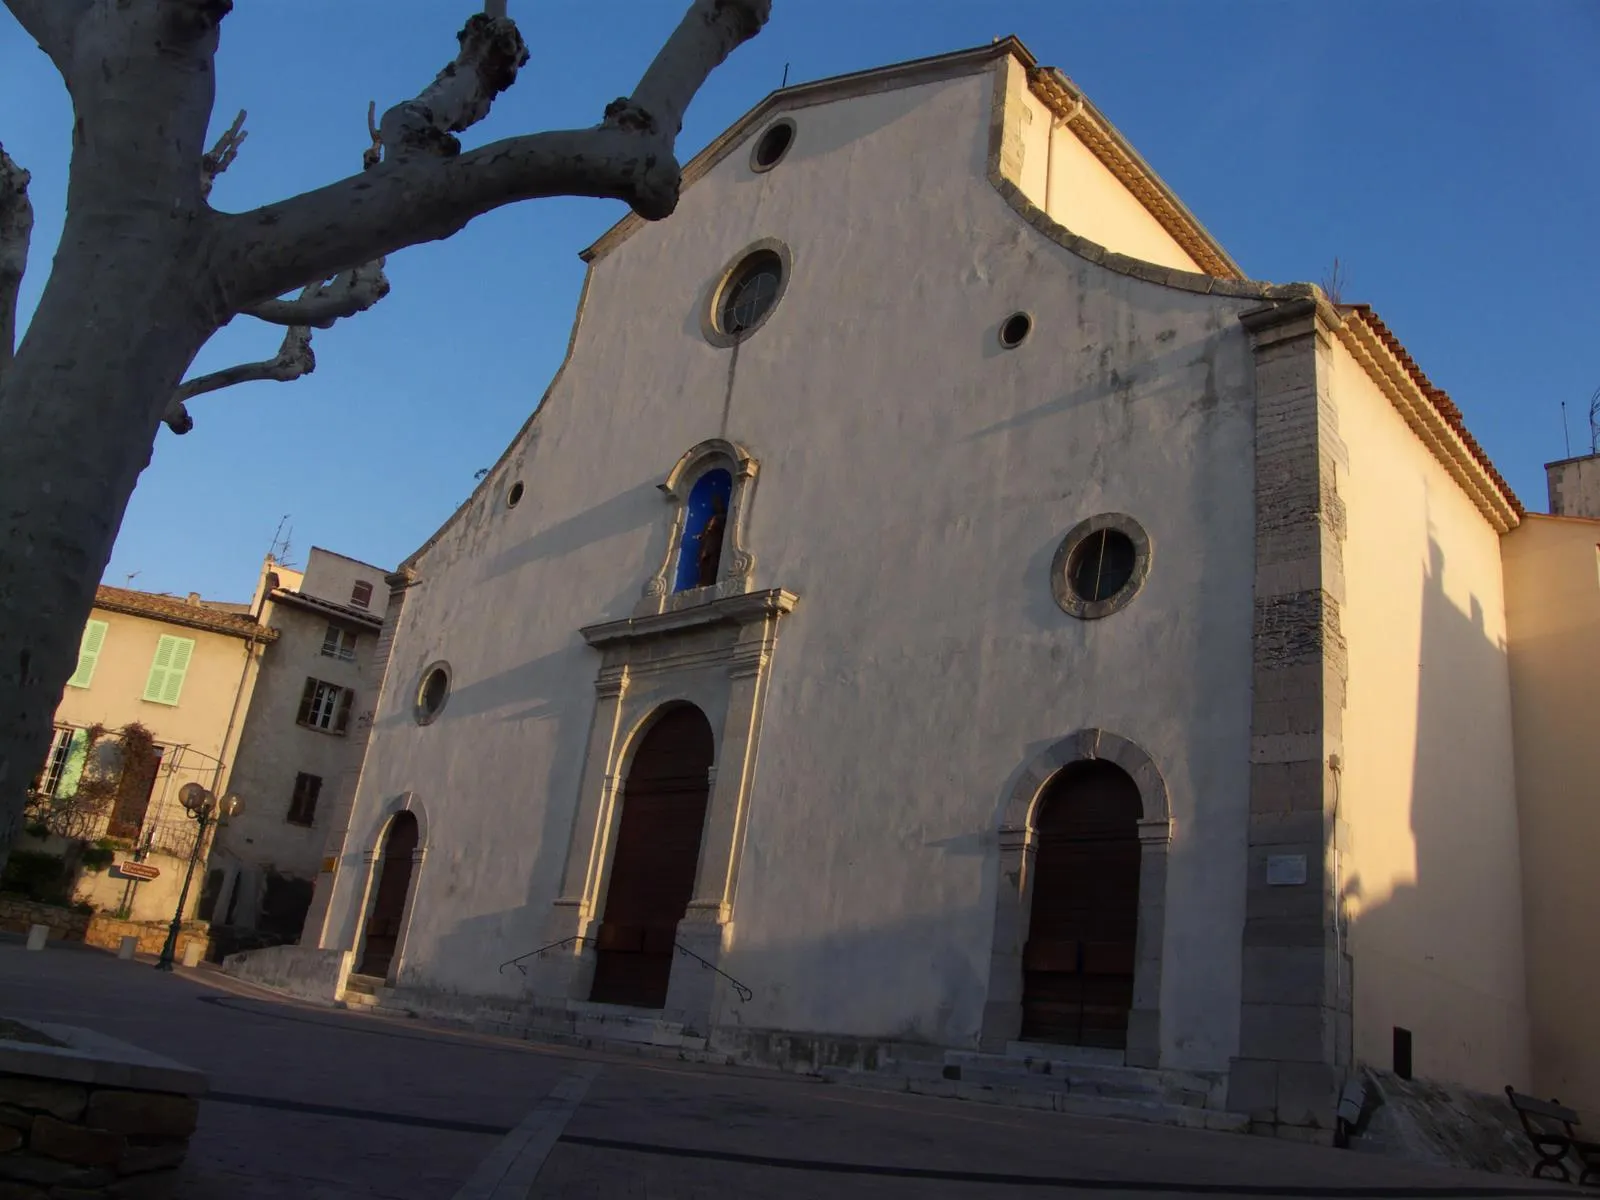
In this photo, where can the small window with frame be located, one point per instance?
(361, 594)
(339, 643)
(303, 804)
(325, 706)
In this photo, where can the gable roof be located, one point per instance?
(174, 611)
(1053, 89)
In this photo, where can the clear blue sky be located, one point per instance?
(1448, 151)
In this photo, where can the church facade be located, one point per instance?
(941, 601)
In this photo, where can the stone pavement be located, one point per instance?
(319, 1104)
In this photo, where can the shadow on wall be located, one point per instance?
(1429, 957)
(906, 982)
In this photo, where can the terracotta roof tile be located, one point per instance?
(1442, 404)
(180, 612)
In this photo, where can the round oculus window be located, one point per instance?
(1100, 566)
(750, 292)
(1015, 329)
(514, 496)
(433, 692)
(772, 145)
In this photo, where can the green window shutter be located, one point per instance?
(72, 770)
(171, 663)
(94, 637)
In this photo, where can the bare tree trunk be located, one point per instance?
(123, 315)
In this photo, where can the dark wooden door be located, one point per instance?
(132, 801)
(389, 904)
(1078, 962)
(653, 869)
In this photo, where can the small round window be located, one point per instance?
(750, 293)
(772, 145)
(1014, 329)
(1100, 565)
(514, 496)
(433, 692)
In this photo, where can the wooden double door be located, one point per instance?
(1079, 958)
(389, 900)
(658, 852)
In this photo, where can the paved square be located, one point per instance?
(320, 1104)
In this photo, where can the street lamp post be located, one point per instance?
(203, 809)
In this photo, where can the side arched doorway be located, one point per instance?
(657, 854)
(1078, 963)
(387, 914)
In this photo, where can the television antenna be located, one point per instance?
(1594, 422)
(280, 541)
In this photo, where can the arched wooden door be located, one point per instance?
(658, 850)
(1078, 962)
(389, 900)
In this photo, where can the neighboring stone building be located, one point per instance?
(941, 595)
(1553, 617)
(185, 669)
(302, 739)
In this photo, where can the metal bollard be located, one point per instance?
(128, 948)
(37, 936)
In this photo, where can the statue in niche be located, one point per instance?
(710, 552)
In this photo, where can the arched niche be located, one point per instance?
(694, 488)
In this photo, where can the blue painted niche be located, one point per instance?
(711, 488)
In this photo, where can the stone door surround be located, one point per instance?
(1002, 1013)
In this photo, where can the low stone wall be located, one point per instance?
(301, 971)
(84, 1115)
(97, 929)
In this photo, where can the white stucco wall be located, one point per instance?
(1427, 794)
(1552, 570)
(915, 482)
(1063, 177)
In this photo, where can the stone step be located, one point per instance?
(1083, 1056)
(1149, 1111)
(366, 985)
(1052, 1074)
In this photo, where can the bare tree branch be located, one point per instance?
(51, 23)
(352, 292)
(220, 157)
(492, 51)
(16, 230)
(709, 32)
(413, 197)
(294, 359)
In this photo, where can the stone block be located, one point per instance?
(15, 1118)
(1295, 828)
(1308, 1094)
(76, 1144)
(64, 1100)
(10, 1138)
(1285, 931)
(1286, 975)
(1285, 1032)
(1253, 1088)
(143, 1114)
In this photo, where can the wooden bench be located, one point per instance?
(1551, 1128)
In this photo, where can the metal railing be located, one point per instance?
(744, 992)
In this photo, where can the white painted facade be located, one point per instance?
(890, 680)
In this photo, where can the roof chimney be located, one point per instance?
(1574, 486)
(194, 597)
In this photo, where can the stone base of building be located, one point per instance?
(97, 929)
(303, 972)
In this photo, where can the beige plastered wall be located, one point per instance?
(1553, 611)
(915, 482)
(1063, 177)
(198, 725)
(1430, 868)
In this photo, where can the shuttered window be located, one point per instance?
(303, 804)
(94, 637)
(325, 706)
(171, 664)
